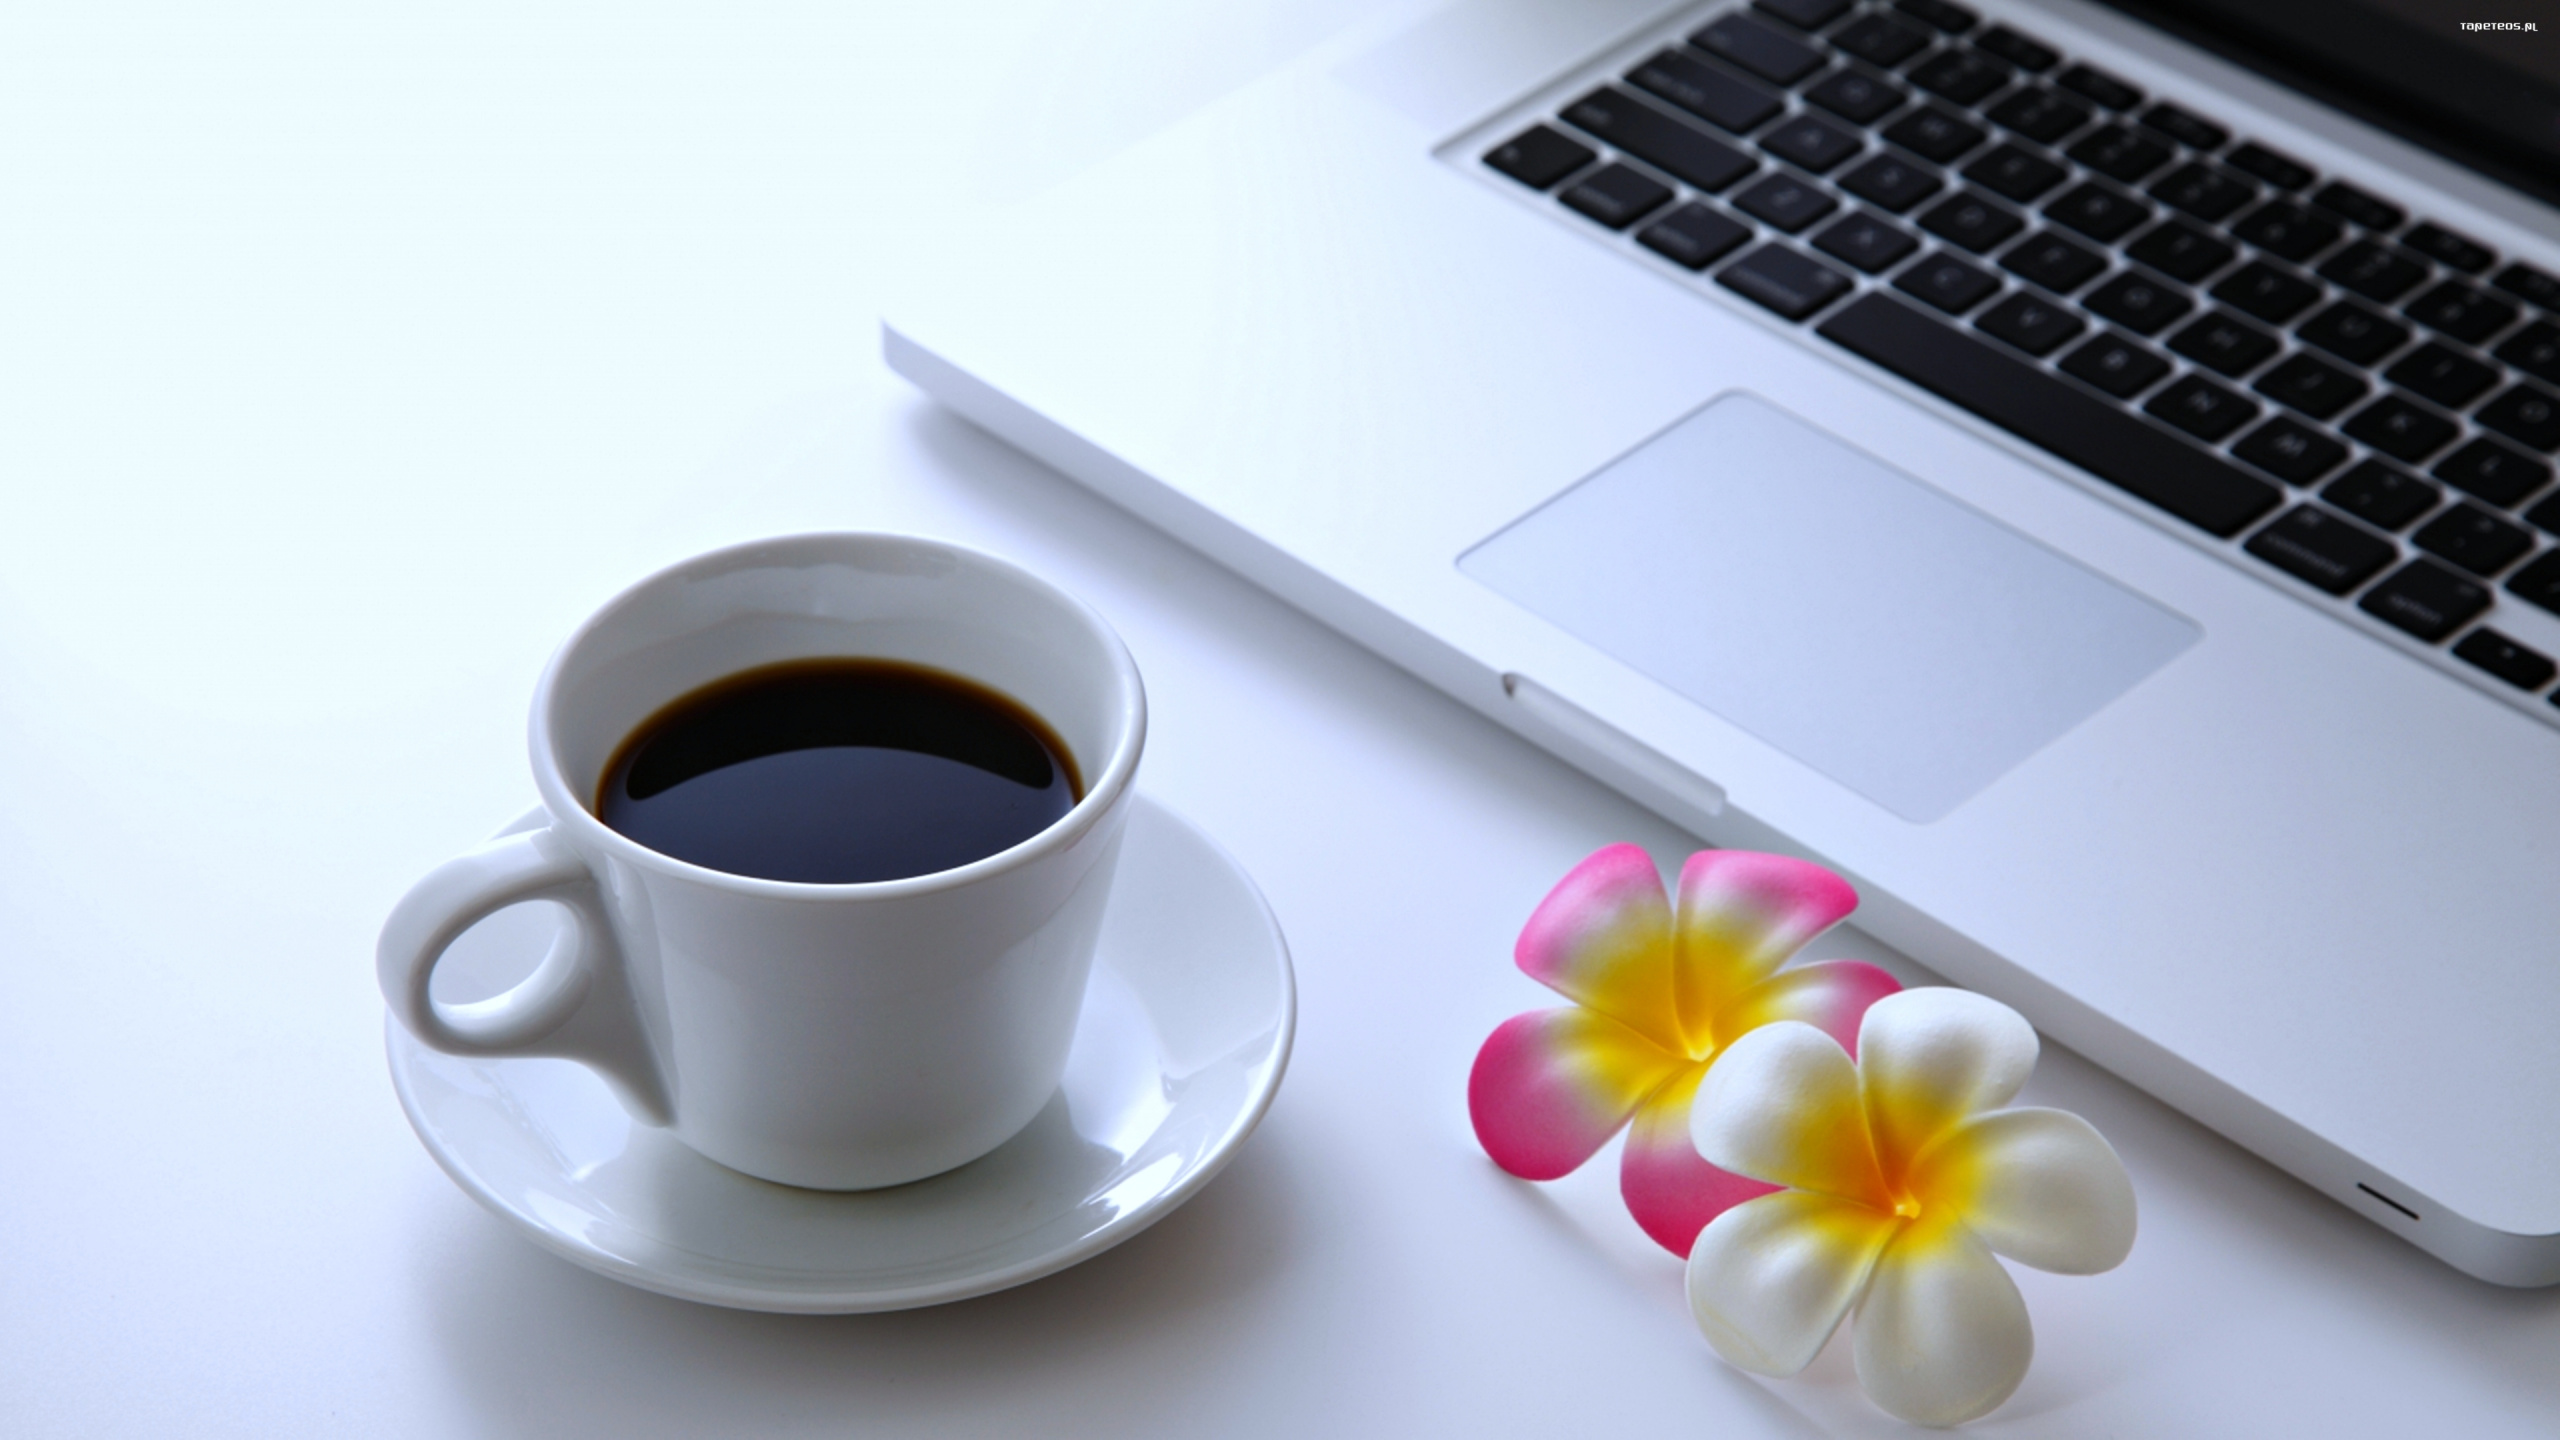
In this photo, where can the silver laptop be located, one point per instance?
(2092, 494)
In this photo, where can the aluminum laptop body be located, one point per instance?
(2213, 791)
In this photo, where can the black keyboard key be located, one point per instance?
(2290, 451)
(2097, 211)
(2202, 408)
(2447, 248)
(1933, 134)
(2493, 472)
(2517, 664)
(2224, 342)
(2535, 350)
(1675, 147)
(2467, 315)
(2138, 303)
(1785, 202)
(1897, 185)
(1971, 221)
(2401, 428)
(2202, 191)
(2023, 51)
(2041, 115)
(2372, 212)
(2287, 231)
(2033, 324)
(2121, 154)
(1946, 282)
(2525, 282)
(2100, 86)
(1715, 95)
(2052, 262)
(2266, 292)
(2280, 170)
(1539, 157)
(2186, 127)
(1617, 196)
(1760, 49)
(1869, 242)
(2538, 582)
(2322, 549)
(1959, 74)
(2442, 374)
(2379, 495)
(1881, 40)
(1755, 47)
(1810, 144)
(2014, 172)
(2115, 365)
(1693, 236)
(2426, 599)
(1855, 95)
(2376, 272)
(1803, 14)
(2353, 333)
(1943, 14)
(1792, 284)
(2474, 539)
(2181, 251)
(2023, 399)
(2311, 385)
(2545, 515)
(2528, 413)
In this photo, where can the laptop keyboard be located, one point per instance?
(2357, 397)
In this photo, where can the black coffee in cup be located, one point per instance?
(838, 772)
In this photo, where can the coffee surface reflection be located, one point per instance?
(838, 772)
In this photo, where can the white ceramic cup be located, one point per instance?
(834, 1036)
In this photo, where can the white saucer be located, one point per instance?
(1185, 1032)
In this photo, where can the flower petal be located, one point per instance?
(1670, 1188)
(1831, 996)
(1770, 1278)
(1928, 1058)
(1742, 914)
(2042, 1187)
(1942, 1334)
(1602, 938)
(1781, 1105)
(1550, 1087)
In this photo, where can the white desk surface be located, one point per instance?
(349, 355)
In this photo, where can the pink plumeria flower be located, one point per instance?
(1657, 997)
(1904, 1179)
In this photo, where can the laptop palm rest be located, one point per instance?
(1900, 642)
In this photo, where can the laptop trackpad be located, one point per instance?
(1876, 629)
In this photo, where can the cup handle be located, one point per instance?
(575, 1005)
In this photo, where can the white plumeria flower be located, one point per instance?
(1905, 1178)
